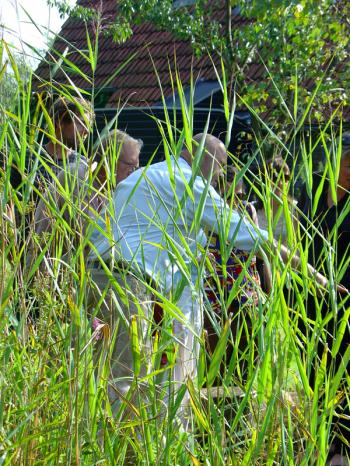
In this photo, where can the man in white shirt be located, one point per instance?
(157, 224)
(152, 239)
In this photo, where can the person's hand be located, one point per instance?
(211, 258)
(252, 213)
(342, 290)
(294, 259)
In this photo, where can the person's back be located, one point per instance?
(157, 218)
(160, 215)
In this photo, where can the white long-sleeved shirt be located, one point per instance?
(159, 217)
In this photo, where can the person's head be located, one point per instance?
(213, 158)
(121, 149)
(278, 173)
(72, 120)
(344, 172)
(239, 187)
(230, 186)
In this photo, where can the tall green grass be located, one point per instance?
(54, 407)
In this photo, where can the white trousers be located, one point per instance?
(187, 336)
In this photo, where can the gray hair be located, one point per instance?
(116, 138)
(119, 138)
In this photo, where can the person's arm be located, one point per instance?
(245, 235)
(266, 268)
(216, 215)
(288, 257)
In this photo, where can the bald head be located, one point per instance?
(213, 158)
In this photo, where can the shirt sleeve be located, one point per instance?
(214, 214)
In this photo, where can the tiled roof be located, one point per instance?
(136, 82)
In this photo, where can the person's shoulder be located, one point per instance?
(162, 172)
(201, 184)
(157, 167)
(132, 181)
(76, 170)
(76, 157)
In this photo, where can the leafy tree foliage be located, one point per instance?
(302, 43)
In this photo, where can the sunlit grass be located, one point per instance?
(54, 407)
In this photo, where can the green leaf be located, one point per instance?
(220, 350)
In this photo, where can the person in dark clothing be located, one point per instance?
(325, 220)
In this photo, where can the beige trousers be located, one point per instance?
(118, 302)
